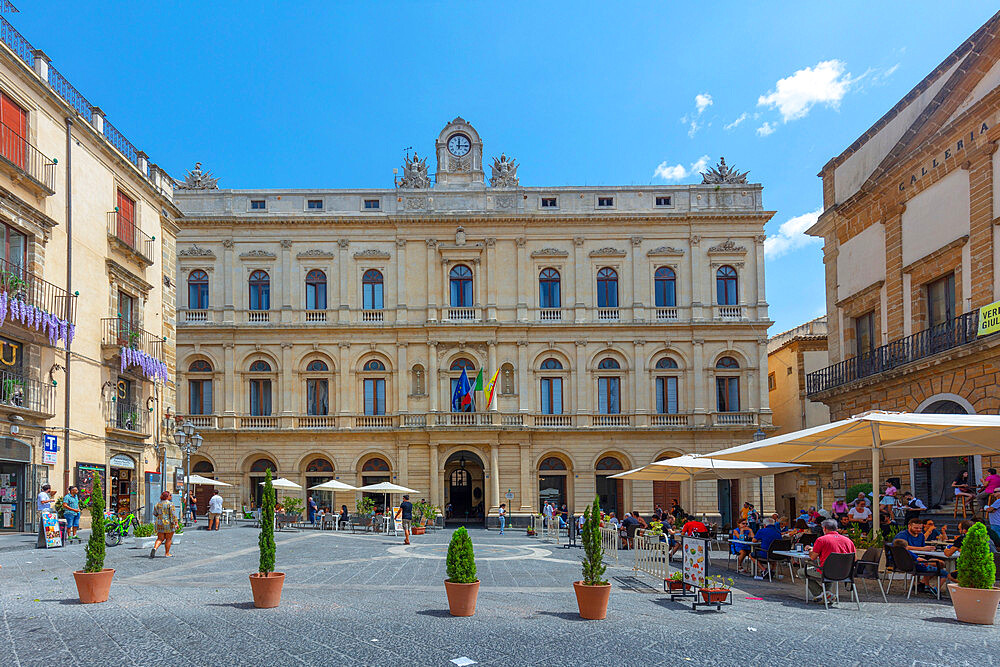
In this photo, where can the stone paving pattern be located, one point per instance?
(364, 599)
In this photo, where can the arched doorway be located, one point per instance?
(665, 493)
(318, 471)
(465, 488)
(932, 477)
(553, 474)
(374, 471)
(258, 472)
(610, 492)
(202, 492)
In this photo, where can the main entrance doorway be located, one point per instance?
(464, 477)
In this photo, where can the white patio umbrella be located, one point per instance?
(198, 479)
(333, 485)
(879, 436)
(386, 488)
(282, 483)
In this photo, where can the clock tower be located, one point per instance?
(459, 156)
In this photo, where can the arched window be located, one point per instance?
(375, 465)
(608, 363)
(374, 365)
(549, 289)
(263, 465)
(551, 364)
(200, 389)
(609, 463)
(372, 289)
(374, 388)
(609, 388)
(462, 364)
(461, 287)
(666, 362)
(726, 286)
(727, 388)
(319, 465)
(459, 477)
(665, 287)
(461, 402)
(198, 290)
(727, 363)
(260, 366)
(418, 380)
(666, 387)
(260, 390)
(203, 467)
(507, 379)
(551, 389)
(552, 463)
(315, 290)
(607, 288)
(317, 389)
(317, 366)
(260, 291)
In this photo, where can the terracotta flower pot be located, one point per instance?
(592, 600)
(417, 530)
(267, 589)
(461, 598)
(93, 586)
(975, 605)
(714, 594)
(674, 585)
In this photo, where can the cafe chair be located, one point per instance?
(807, 539)
(904, 562)
(776, 559)
(839, 569)
(960, 502)
(867, 569)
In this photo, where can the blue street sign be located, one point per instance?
(51, 443)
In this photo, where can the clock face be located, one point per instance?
(459, 145)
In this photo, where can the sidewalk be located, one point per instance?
(17, 541)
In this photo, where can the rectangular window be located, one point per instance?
(552, 396)
(200, 397)
(13, 131)
(728, 390)
(260, 398)
(864, 332)
(372, 204)
(14, 248)
(371, 296)
(315, 296)
(549, 202)
(454, 385)
(608, 396)
(666, 395)
(257, 205)
(315, 204)
(771, 382)
(941, 301)
(606, 201)
(317, 397)
(374, 396)
(663, 201)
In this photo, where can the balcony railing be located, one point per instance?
(258, 316)
(462, 315)
(125, 416)
(128, 234)
(27, 160)
(670, 420)
(258, 422)
(373, 316)
(119, 332)
(666, 314)
(315, 316)
(35, 291)
(550, 315)
(944, 336)
(735, 418)
(729, 312)
(607, 315)
(19, 392)
(196, 316)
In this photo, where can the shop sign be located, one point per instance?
(51, 448)
(121, 461)
(989, 319)
(958, 146)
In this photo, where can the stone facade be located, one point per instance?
(76, 193)
(911, 253)
(388, 354)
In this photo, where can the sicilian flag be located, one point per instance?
(491, 388)
(461, 400)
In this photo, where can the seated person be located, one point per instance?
(343, 517)
(630, 524)
(861, 515)
(933, 533)
(740, 550)
(839, 510)
(676, 509)
(830, 542)
(613, 520)
(962, 486)
(765, 536)
(783, 524)
(691, 528)
(913, 539)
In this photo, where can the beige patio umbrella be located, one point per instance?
(333, 485)
(198, 479)
(879, 436)
(386, 488)
(282, 483)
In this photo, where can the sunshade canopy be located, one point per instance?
(198, 479)
(690, 468)
(282, 483)
(386, 487)
(332, 485)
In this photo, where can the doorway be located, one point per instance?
(258, 473)
(12, 495)
(464, 484)
(123, 485)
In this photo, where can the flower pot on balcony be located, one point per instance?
(93, 586)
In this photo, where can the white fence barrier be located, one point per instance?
(651, 555)
(610, 541)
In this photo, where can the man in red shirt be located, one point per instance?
(692, 528)
(831, 542)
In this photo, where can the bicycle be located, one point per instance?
(116, 528)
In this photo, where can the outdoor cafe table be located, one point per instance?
(802, 557)
(748, 543)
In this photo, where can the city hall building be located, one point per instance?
(321, 333)
(911, 251)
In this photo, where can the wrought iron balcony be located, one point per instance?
(124, 416)
(25, 162)
(945, 336)
(21, 393)
(33, 290)
(127, 235)
(119, 332)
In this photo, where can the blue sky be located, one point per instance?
(329, 94)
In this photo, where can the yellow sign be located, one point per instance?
(989, 319)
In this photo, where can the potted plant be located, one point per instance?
(461, 586)
(676, 582)
(593, 592)
(717, 589)
(93, 582)
(266, 583)
(145, 536)
(974, 596)
(418, 526)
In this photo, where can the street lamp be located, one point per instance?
(189, 441)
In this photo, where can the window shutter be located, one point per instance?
(369, 397)
(557, 408)
(602, 395)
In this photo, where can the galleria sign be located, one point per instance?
(948, 154)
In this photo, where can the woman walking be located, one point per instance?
(166, 524)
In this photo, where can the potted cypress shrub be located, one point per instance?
(974, 596)
(593, 592)
(93, 582)
(461, 586)
(266, 583)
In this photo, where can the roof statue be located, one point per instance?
(414, 173)
(504, 172)
(723, 173)
(196, 179)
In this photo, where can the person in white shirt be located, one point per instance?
(214, 511)
(860, 514)
(44, 499)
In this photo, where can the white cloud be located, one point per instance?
(765, 129)
(693, 128)
(736, 123)
(795, 95)
(678, 171)
(791, 235)
(702, 101)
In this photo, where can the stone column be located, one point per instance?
(494, 477)
(523, 278)
(760, 265)
(344, 379)
(527, 491)
(762, 397)
(638, 312)
(432, 280)
(491, 284)
(699, 280)
(432, 376)
(436, 497)
(580, 377)
(640, 380)
(698, 370)
(401, 281)
(523, 394)
(286, 279)
(403, 455)
(231, 278)
(581, 274)
(230, 390)
(287, 373)
(402, 375)
(345, 271)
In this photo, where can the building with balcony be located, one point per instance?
(86, 279)
(322, 333)
(911, 252)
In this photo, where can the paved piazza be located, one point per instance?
(366, 599)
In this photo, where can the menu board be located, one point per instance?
(50, 522)
(397, 519)
(694, 549)
(85, 479)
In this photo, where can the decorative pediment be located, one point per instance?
(665, 251)
(371, 253)
(550, 252)
(196, 251)
(257, 254)
(315, 253)
(607, 252)
(727, 247)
